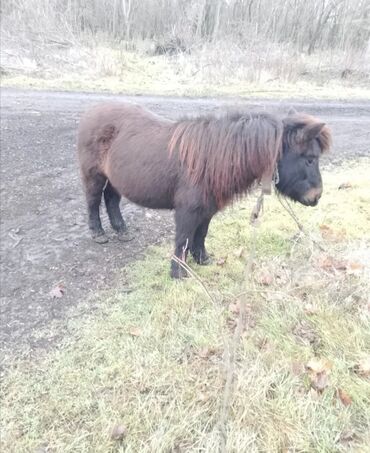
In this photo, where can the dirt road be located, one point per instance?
(44, 236)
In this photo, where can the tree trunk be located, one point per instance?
(216, 20)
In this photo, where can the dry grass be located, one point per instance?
(152, 360)
(222, 69)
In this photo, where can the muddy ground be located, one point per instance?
(44, 236)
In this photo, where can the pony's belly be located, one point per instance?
(147, 180)
(150, 201)
(148, 197)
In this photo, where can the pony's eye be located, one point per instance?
(309, 161)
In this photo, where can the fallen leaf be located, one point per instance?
(314, 394)
(344, 397)
(318, 365)
(202, 397)
(345, 185)
(318, 372)
(206, 353)
(57, 291)
(265, 278)
(282, 278)
(239, 252)
(325, 230)
(329, 263)
(297, 368)
(118, 432)
(330, 234)
(347, 437)
(231, 323)
(134, 331)
(320, 381)
(265, 345)
(354, 267)
(363, 367)
(234, 307)
(306, 333)
(271, 391)
(221, 261)
(310, 310)
(42, 448)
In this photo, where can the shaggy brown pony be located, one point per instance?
(194, 166)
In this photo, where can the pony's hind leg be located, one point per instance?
(112, 199)
(198, 250)
(94, 186)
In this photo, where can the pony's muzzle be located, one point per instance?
(312, 196)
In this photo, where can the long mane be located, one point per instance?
(297, 127)
(226, 155)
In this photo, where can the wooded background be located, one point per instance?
(306, 25)
(252, 40)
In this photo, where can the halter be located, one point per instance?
(268, 179)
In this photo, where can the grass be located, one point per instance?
(152, 361)
(144, 84)
(104, 69)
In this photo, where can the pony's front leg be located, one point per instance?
(186, 224)
(198, 250)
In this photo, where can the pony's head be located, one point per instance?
(304, 140)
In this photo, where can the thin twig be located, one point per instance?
(240, 327)
(17, 240)
(257, 209)
(194, 275)
(286, 205)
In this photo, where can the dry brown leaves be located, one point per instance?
(318, 370)
(207, 352)
(233, 316)
(221, 261)
(362, 368)
(297, 368)
(344, 397)
(43, 448)
(347, 437)
(118, 432)
(134, 331)
(345, 185)
(331, 264)
(306, 334)
(234, 307)
(310, 309)
(329, 234)
(264, 278)
(57, 292)
(239, 252)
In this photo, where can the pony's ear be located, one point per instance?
(292, 111)
(312, 131)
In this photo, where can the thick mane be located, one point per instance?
(227, 154)
(297, 126)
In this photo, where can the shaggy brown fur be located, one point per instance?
(300, 127)
(195, 166)
(226, 155)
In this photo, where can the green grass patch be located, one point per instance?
(153, 360)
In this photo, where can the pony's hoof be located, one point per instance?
(100, 238)
(179, 273)
(206, 261)
(124, 236)
(202, 259)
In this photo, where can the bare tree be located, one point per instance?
(305, 25)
